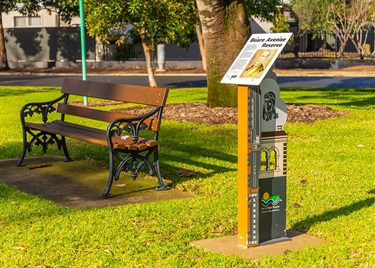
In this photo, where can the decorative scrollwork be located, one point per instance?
(120, 128)
(42, 109)
(134, 163)
(143, 126)
(44, 140)
(125, 127)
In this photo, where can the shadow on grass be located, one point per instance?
(306, 224)
(22, 92)
(198, 150)
(180, 160)
(188, 156)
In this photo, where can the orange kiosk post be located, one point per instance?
(248, 165)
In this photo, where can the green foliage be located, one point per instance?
(311, 16)
(25, 7)
(152, 19)
(263, 9)
(67, 9)
(280, 23)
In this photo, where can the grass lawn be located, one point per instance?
(330, 193)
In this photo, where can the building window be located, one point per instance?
(269, 159)
(272, 160)
(263, 161)
(27, 22)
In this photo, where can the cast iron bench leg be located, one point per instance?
(156, 166)
(65, 149)
(107, 189)
(106, 193)
(24, 149)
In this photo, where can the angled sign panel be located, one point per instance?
(256, 58)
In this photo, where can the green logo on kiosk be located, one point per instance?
(268, 200)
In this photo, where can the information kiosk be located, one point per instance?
(262, 142)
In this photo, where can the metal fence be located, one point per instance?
(63, 44)
(328, 46)
(46, 44)
(130, 51)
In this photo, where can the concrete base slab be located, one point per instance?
(229, 245)
(78, 184)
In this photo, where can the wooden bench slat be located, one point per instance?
(120, 92)
(92, 135)
(72, 132)
(106, 116)
(123, 142)
(81, 127)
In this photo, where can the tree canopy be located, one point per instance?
(263, 9)
(163, 20)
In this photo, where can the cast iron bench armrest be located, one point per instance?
(129, 125)
(41, 108)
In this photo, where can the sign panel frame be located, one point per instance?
(256, 59)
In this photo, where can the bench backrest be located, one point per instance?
(118, 92)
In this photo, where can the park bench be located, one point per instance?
(127, 151)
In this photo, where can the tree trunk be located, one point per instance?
(150, 71)
(147, 51)
(343, 41)
(202, 50)
(225, 29)
(3, 54)
(296, 45)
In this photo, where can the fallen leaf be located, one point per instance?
(186, 173)
(109, 252)
(21, 247)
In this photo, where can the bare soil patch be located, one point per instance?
(200, 113)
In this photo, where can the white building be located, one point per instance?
(44, 18)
